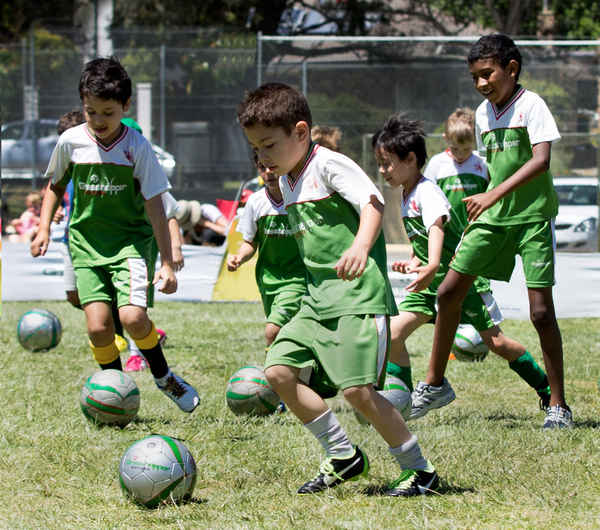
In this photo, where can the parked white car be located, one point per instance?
(577, 220)
(17, 148)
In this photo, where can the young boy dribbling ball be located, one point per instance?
(335, 212)
(116, 222)
(427, 209)
(514, 216)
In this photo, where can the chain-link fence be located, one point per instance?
(197, 78)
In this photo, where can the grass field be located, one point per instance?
(499, 469)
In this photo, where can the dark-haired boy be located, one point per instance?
(116, 222)
(335, 212)
(514, 216)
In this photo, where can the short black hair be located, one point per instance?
(69, 119)
(105, 78)
(496, 46)
(274, 105)
(402, 136)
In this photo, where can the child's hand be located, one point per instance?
(233, 262)
(425, 276)
(169, 284)
(477, 204)
(352, 263)
(406, 267)
(39, 244)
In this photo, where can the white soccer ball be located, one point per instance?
(468, 345)
(249, 392)
(397, 393)
(157, 469)
(39, 330)
(110, 397)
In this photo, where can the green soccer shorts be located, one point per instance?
(282, 306)
(489, 250)
(478, 309)
(128, 281)
(351, 349)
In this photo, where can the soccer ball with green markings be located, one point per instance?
(157, 469)
(39, 330)
(468, 345)
(110, 397)
(249, 392)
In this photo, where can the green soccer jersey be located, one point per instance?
(279, 267)
(420, 209)
(506, 136)
(323, 204)
(457, 181)
(110, 183)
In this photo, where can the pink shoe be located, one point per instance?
(135, 363)
(162, 336)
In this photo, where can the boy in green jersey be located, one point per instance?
(425, 209)
(335, 213)
(514, 216)
(116, 222)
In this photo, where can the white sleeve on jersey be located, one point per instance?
(347, 178)
(169, 204)
(433, 203)
(211, 212)
(247, 225)
(541, 126)
(147, 170)
(59, 161)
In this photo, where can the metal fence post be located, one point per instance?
(162, 94)
(259, 58)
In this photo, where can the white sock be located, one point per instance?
(327, 429)
(409, 454)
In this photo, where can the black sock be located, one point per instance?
(156, 361)
(113, 365)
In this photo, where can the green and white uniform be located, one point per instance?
(457, 181)
(522, 221)
(111, 241)
(342, 324)
(420, 209)
(280, 272)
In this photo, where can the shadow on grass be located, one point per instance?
(443, 489)
(587, 424)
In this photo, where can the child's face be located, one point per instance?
(279, 152)
(493, 82)
(461, 151)
(271, 180)
(396, 172)
(103, 117)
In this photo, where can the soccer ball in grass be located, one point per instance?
(110, 397)
(468, 346)
(249, 392)
(397, 393)
(39, 330)
(157, 469)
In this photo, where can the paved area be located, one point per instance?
(576, 294)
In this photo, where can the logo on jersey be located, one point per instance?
(101, 186)
(128, 155)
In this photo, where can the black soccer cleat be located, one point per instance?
(334, 471)
(414, 482)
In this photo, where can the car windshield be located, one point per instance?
(577, 194)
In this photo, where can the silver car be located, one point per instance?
(576, 225)
(17, 148)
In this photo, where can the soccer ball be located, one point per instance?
(39, 330)
(110, 397)
(397, 393)
(468, 345)
(156, 469)
(249, 392)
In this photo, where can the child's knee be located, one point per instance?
(357, 396)
(280, 375)
(73, 299)
(542, 316)
(448, 296)
(135, 320)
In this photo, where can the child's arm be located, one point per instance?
(426, 273)
(539, 162)
(52, 198)
(234, 261)
(353, 262)
(176, 238)
(219, 226)
(407, 266)
(158, 220)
